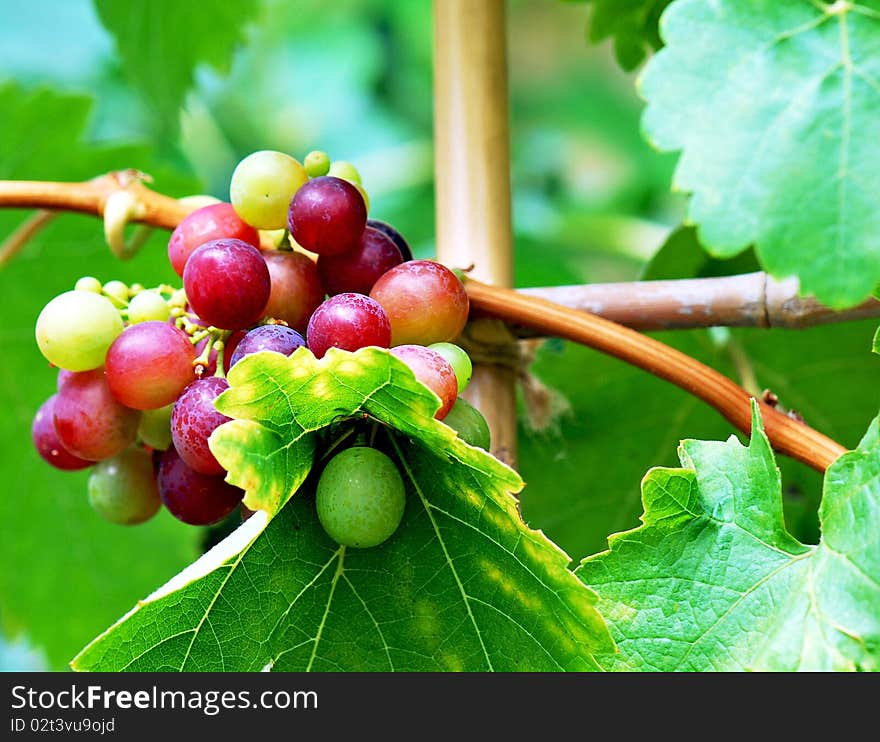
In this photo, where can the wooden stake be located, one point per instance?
(472, 163)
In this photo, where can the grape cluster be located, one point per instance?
(140, 369)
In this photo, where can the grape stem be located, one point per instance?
(788, 436)
(535, 314)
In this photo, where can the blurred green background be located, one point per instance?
(183, 90)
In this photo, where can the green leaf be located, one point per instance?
(631, 23)
(163, 42)
(713, 581)
(462, 585)
(773, 107)
(67, 573)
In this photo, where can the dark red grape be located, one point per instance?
(357, 270)
(434, 371)
(349, 322)
(396, 237)
(46, 439)
(197, 499)
(425, 302)
(193, 420)
(150, 364)
(327, 215)
(89, 421)
(227, 283)
(279, 338)
(213, 222)
(296, 287)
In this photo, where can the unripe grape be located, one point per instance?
(117, 292)
(155, 427)
(76, 328)
(123, 489)
(88, 283)
(146, 306)
(317, 163)
(345, 170)
(360, 497)
(262, 185)
(469, 423)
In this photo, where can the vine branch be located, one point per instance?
(787, 435)
(539, 315)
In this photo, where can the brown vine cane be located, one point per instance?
(787, 436)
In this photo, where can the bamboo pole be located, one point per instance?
(472, 163)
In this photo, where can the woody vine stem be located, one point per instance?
(537, 315)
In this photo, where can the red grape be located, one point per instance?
(327, 215)
(197, 499)
(296, 288)
(89, 421)
(194, 419)
(434, 371)
(227, 283)
(46, 439)
(348, 321)
(278, 338)
(358, 269)
(150, 364)
(212, 222)
(425, 302)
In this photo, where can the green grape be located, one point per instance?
(123, 489)
(76, 328)
(469, 423)
(458, 359)
(146, 306)
(155, 427)
(317, 163)
(360, 497)
(117, 292)
(89, 283)
(346, 171)
(262, 185)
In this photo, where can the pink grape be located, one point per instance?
(212, 222)
(89, 420)
(327, 215)
(194, 498)
(347, 321)
(194, 419)
(47, 443)
(434, 371)
(296, 288)
(358, 269)
(150, 364)
(227, 283)
(425, 302)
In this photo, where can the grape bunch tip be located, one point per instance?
(140, 369)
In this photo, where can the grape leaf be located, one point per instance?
(772, 106)
(55, 550)
(162, 42)
(713, 581)
(631, 23)
(462, 585)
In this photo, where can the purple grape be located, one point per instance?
(194, 498)
(348, 321)
(193, 420)
(357, 270)
(395, 236)
(279, 338)
(327, 215)
(227, 283)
